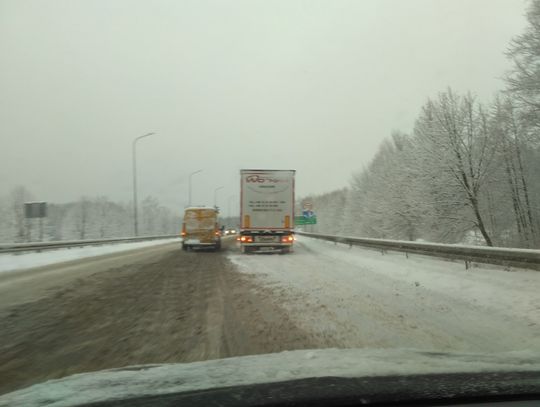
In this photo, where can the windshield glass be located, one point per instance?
(198, 180)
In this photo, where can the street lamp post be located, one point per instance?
(189, 192)
(134, 156)
(215, 195)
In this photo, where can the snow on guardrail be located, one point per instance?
(511, 257)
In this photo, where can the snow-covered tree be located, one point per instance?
(523, 81)
(19, 225)
(459, 151)
(511, 183)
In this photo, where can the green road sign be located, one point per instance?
(302, 220)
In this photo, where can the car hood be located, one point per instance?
(159, 379)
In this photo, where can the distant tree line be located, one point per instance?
(88, 218)
(467, 172)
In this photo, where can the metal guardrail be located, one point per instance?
(40, 246)
(524, 258)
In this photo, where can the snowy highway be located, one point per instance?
(161, 304)
(356, 297)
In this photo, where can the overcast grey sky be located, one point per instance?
(307, 85)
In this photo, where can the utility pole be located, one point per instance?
(189, 192)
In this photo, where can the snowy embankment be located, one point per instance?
(14, 262)
(355, 297)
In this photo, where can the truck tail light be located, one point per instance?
(287, 221)
(183, 229)
(246, 239)
(287, 239)
(247, 221)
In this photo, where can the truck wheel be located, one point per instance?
(285, 250)
(184, 247)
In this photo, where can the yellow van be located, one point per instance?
(200, 229)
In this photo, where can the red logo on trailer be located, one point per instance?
(259, 179)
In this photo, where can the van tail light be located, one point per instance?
(246, 239)
(287, 239)
(183, 229)
(217, 233)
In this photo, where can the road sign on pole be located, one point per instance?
(302, 220)
(308, 213)
(35, 210)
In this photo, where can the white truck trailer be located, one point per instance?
(266, 210)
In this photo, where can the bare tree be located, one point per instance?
(18, 196)
(454, 135)
(523, 81)
(510, 132)
(82, 214)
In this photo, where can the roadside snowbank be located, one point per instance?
(513, 292)
(357, 297)
(14, 262)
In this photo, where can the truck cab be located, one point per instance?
(200, 229)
